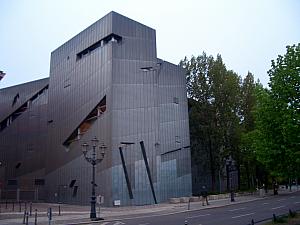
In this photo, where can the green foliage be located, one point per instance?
(258, 127)
(278, 117)
(214, 95)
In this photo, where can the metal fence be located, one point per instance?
(22, 195)
(275, 218)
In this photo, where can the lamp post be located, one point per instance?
(2, 74)
(230, 167)
(93, 161)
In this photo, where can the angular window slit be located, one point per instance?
(12, 182)
(100, 43)
(72, 183)
(8, 120)
(16, 98)
(18, 165)
(86, 124)
(176, 100)
(39, 182)
(67, 83)
(147, 69)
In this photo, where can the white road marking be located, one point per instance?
(296, 202)
(234, 217)
(281, 199)
(293, 197)
(232, 210)
(144, 224)
(190, 217)
(118, 223)
(266, 203)
(279, 207)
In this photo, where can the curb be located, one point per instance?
(165, 214)
(178, 212)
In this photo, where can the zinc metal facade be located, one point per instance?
(112, 67)
(23, 132)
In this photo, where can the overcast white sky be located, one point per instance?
(248, 34)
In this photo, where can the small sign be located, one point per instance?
(117, 202)
(100, 199)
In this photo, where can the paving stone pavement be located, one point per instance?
(75, 214)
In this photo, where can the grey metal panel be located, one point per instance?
(87, 37)
(140, 107)
(25, 91)
(88, 80)
(22, 154)
(141, 112)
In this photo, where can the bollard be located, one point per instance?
(20, 206)
(274, 218)
(49, 214)
(35, 217)
(24, 217)
(99, 210)
(252, 222)
(13, 206)
(59, 210)
(30, 209)
(189, 204)
(6, 204)
(186, 222)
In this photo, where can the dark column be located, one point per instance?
(126, 174)
(148, 170)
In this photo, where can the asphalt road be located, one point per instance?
(238, 214)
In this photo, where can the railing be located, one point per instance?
(22, 194)
(276, 218)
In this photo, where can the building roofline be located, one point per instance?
(29, 82)
(108, 14)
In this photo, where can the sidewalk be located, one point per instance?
(74, 214)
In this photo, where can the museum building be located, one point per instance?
(106, 82)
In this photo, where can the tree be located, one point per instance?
(278, 117)
(214, 92)
(202, 115)
(247, 122)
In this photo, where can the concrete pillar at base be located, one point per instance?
(18, 194)
(36, 194)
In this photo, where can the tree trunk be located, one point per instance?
(239, 176)
(212, 166)
(248, 175)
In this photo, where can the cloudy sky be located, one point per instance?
(248, 34)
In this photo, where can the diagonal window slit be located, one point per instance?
(110, 38)
(19, 111)
(86, 124)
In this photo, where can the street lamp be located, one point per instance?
(2, 74)
(230, 167)
(93, 161)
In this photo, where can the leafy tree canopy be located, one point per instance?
(278, 116)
